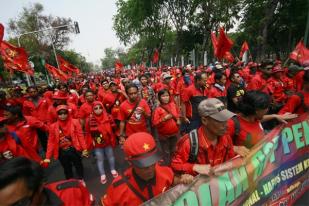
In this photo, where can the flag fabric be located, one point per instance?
(229, 57)
(118, 66)
(15, 58)
(244, 48)
(1, 32)
(224, 44)
(65, 66)
(300, 54)
(155, 58)
(56, 73)
(214, 42)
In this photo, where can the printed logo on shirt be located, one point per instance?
(7, 154)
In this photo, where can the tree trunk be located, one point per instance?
(269, 13)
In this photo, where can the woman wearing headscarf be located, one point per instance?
(99, 134)
(65, 142)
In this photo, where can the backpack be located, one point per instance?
(193, 146)
(236, 127)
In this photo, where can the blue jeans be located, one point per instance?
(109, 154)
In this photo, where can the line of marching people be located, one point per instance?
(172, 124)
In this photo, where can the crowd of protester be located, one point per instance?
(171, 122)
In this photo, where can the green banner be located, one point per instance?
(276, 172)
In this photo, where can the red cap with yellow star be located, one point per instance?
(140, 149)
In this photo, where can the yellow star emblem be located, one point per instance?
(146, 146)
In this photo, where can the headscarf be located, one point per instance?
(65, 125)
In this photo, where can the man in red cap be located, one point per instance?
(145, 179)
(209, 145)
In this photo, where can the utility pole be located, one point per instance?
(77, 31)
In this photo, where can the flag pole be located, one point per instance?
(27, 76)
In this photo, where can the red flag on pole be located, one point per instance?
(56, 73)
(155, 57)
(118, 66)
(224, 44)
(66, 66)
(15, 58)
(300, 54)
(214, 42)
(244, 48)
(1, 32)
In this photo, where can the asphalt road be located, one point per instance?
(91, 173)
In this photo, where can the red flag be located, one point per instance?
(300, 54)
(1, 32)
(214, 42)
(66, 66)
(229, 57)
(155, 57)
(244, 48)
(224, 44)
(118, 66)
(56, 73)
(15, 58)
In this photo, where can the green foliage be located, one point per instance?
(268, 26)
(39, 45)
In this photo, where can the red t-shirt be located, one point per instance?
(250, 133)
(102, 93)
(258, 83)
(191, 97)
(276, 89)
(169, 127)
(85, 110)
(38, 111)
(215, 92)
(295, 104)
(137, 121)
(113, 100)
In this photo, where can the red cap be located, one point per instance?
(60, 95)
(62, 107)
(178, 71)
(277, 68)
(141, 150)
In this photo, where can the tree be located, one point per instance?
(109, 58)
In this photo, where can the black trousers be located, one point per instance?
(69, 158)
(43, 138)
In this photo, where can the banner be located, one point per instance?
(276, 172)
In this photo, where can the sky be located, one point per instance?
(93, 16)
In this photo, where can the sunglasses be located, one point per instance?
(97, 108)
(62, 113)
